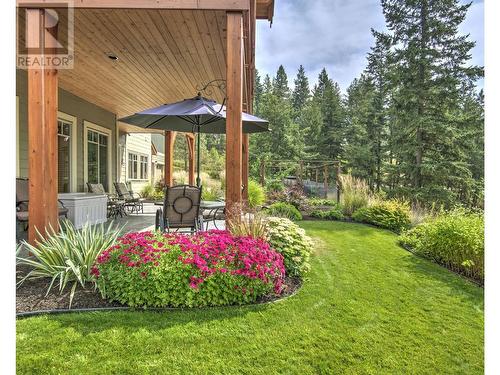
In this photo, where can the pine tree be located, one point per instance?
(280, 84)
(327, 94)
(358, 150)
(377, 72)
(258, 91)
(301, 91)
(430, 61)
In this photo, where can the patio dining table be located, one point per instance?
(214, 209)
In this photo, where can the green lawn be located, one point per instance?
(368, 307)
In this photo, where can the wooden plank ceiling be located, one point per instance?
(163, 56)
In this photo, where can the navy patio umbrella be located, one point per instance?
(195, 115)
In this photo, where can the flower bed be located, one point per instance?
(208, 269)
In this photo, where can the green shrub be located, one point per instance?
(293, 195)
(211, 193)
(391, 214)
(291, 241)
(214, 268)
(148, 191)
(454, 239)
(256, 194)
(321, 202)
(354, 193)
(334, 213)
(67, 256)
(274, 186)
(282, 209)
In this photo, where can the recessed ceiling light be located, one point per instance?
(112, 56)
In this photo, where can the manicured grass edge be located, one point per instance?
(29, 314)
(407, 248)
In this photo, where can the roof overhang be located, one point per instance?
(232, 5)
(265, 10)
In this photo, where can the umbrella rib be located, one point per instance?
(155, 121)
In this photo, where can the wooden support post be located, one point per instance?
(337, 180)
(325, 176)
(190, 143)
(263, 172)
(301, 170)
(234, 77)
(42, 132)
(317, 175)
(244, 168)
(169, 158)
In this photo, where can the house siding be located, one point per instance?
(71, 105)
(138, 144)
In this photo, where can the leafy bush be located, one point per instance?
(390, 214)
(148, 191)
(321, 202)
(214, 163)
(291, 241)
(282, 209)
(334, 213)
(275, 186)
(68, 256)
(211, 193)
(256, 194)
(293, 195)
(454, 239)
(207, 269)
(354, 193)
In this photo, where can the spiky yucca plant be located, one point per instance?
(68, 255)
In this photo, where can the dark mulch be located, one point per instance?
(30, 296)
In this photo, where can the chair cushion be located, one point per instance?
(22, 215)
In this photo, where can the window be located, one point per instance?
(137, 167)
(63, 156)
(97, 158)
(144, 168)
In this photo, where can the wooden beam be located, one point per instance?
(169, 157)
(234, 85)
(42, 135)
(234, 5)
(190, 143)
(244, 167)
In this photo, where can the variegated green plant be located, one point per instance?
(291, 241)
(68, 255)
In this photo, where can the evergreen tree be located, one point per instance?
(358, 150)
(327, 94)
(430, 62)
(280, 84)
(258, 91)
(301, 91)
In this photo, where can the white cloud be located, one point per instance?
(334, 34)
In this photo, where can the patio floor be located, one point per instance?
(132, 222)
(146, 221)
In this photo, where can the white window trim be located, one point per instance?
(73, 175)
(139, 154)
(90, 125)
(18, 163)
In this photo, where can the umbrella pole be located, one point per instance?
(198, 139)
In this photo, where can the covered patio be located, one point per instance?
(131, 55)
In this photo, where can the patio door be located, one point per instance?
(98, 151)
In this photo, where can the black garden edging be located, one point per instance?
(29, 314)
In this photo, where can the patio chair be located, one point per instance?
(133, 203)
(22, 201)
(181, 209)
(116, 206)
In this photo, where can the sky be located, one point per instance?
(335, 34)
